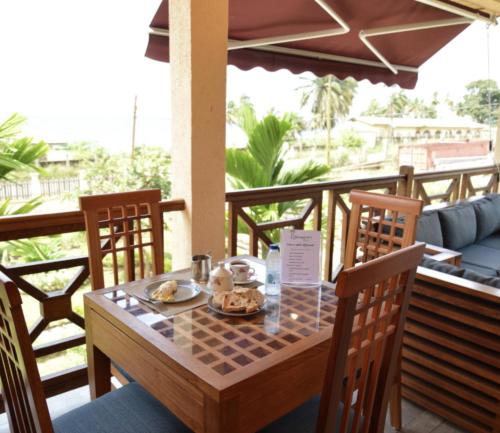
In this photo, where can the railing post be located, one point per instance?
(232, 238)
(405, 185)
(35, 186)
(463, 186)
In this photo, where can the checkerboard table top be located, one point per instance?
(227, 346)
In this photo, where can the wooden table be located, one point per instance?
(217, 374)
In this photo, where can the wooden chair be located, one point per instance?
(378, 225)
(128, 410)
(124, 225)
(366, 341)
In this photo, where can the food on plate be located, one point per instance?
(165, 292)
(238, 300)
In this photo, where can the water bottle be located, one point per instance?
(273, 271)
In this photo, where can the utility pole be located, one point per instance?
(134, 120)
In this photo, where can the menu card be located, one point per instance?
(300, 256)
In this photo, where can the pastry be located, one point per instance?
(165, 292)
(238, 300)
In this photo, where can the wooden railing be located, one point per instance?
(323, 206)
(432, 187)
(56, 305)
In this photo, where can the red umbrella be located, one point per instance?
(381, 40)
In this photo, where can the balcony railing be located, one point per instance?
(322, 206)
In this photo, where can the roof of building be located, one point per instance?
(396, 122)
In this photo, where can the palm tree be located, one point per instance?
(262, 162)
(331, 99)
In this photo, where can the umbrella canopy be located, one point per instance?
(380, 40)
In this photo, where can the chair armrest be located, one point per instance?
(443, 254)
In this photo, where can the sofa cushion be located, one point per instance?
(494, 198)
(480, 269)
(471, 275)
(482, 279)
(459, 226)
(429, 228)
(487, 216)
(492, 241)
(479, 255)
(445, 267)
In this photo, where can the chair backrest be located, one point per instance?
(367, 335)
(22, 391)
(128, 227)
(379, 224)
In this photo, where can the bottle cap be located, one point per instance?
(274, 247)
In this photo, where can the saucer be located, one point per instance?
(252, 279)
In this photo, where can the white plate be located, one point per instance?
(212, 307)
(186, 290)
(250, 281)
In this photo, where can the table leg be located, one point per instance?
(99, 365)
(220, 417)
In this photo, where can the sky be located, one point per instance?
(73, 68)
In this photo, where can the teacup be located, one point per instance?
(242, 271)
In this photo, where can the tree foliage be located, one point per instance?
(481, 102)
(401, 105)
(331, 100)
(107, 172)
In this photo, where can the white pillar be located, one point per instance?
(198, 58)
(497, 143)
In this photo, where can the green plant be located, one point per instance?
(262, 162)
(18, 155)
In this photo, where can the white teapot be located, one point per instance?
(220, 279)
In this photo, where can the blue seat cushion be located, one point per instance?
(492, 281)
(429, 229)
(480, 269)
(487, 216)
(304, 419)
(492, 241)
(129, 409)
(459, 226)
(478, 276)
(481, 256)
(447, 268)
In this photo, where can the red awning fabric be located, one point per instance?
(257, 19)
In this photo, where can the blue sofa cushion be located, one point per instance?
(447, 268)
(487, 216)
(481, 256)
(459, 226)
(477, 277)
(492, 281)
(480, 269)
(492, 241)
(130, 409)
(429, 229)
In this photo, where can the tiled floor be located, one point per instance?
(415, 419)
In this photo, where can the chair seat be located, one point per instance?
(304, 419)
(129, 409)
